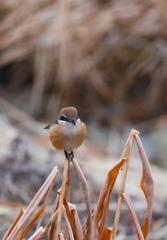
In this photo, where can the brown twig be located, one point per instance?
(62, 194)
(84, 185)
(34, 203)
(46, 201)
(132, 211)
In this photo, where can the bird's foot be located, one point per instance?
(69, 156)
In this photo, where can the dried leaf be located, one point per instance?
(147, 185)
(103, 202)
(106, 234)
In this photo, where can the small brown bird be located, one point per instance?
(67, 132)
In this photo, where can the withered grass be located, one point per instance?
(107, 48)
(95, 226)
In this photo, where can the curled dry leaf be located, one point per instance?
(100, 213)
(147, 185)
(106, 234)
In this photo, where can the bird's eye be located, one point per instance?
(63, 118)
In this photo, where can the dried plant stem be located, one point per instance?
(51, 221)
(84, 185)
(38, 234)
(13, 227)
(33, 205)
(33, 220)
(132, 211)
(68, 183)
(62, 193)
(126, 155)
(68, 225)
(46, 202)
(68, 194)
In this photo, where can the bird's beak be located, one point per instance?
(74, 122)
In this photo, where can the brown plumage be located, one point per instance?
(67, 132)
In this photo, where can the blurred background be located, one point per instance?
(108, 59)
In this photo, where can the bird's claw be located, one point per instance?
(69, 156)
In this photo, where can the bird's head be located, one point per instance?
(68, 115)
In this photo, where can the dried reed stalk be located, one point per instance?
(62, 194)
(132, 211)
(84, 186)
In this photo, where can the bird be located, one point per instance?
(67, 132)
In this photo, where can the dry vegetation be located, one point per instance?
(110, 54)
(95, 226)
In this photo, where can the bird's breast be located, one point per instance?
(67, 136)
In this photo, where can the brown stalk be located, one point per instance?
(62, 194)
(77, 224)
(55, 207)
(46, 201)
(135, 219)
(12, 228)
(84, 186)
(68, 222)
(70, 216)
(61, 236)
(147, 185)
(33, 205)
(51, 221)
(38, 234)
(126, 154)
(68, 195)
(68, 183)
(30, 225)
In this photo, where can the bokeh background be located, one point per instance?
(108, 58)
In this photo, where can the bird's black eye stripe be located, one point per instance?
(63, 118)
